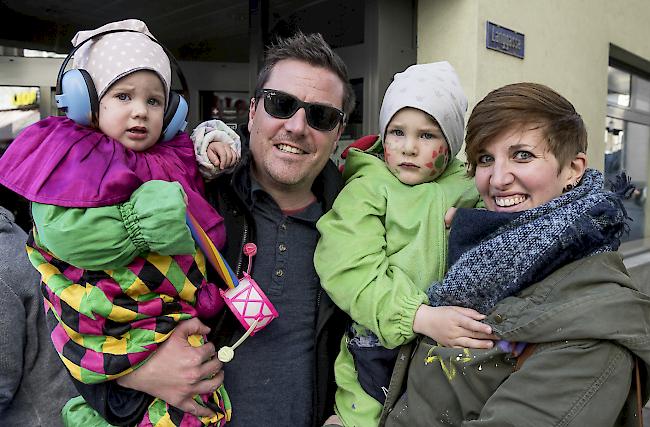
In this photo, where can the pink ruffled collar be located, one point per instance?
(59, 162)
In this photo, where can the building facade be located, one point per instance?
(594, 52)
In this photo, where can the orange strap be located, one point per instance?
(530, 349)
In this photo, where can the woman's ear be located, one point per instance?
(577, 168)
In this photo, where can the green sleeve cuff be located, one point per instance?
(92, 238)
(105, 238)
(132, 225)
(404, 319)
(154, 218)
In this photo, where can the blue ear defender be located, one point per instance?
(175, 116)
(77, 97)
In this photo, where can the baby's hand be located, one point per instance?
(452, 326)
(222, 155)
(217, 147)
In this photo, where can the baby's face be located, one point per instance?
(132, 110)
(415, 149)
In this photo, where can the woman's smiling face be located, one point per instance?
(516, 171)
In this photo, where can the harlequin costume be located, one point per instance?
(231, 194)
(114, 309)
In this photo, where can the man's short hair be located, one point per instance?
(314, 50)
(524, 104)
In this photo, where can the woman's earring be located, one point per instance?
(568, 188)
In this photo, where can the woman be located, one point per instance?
(570, 338)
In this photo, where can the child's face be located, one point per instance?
(132, 110)
(415, 149)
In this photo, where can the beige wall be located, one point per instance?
(567, 47)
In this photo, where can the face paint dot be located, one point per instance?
(429, 165)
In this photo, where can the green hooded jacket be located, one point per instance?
(370, 259)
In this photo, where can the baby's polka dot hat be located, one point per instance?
(113, 56)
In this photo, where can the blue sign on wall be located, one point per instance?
(504, 40)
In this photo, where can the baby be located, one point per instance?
(109, 201)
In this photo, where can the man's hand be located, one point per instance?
(452, 326)
(222, 155)
(176, 372)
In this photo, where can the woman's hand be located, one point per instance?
(176, 372)
(452, 326)
(449, 216)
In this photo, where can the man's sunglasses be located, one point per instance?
(282, 106)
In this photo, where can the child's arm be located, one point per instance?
(353, 266)
(217, 148)
(104, 238)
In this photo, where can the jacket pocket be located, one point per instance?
(374, 367)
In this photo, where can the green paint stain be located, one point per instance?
(440, 162)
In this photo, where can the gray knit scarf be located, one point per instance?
(524, 248)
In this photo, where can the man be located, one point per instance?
(283, 376)
(33, 385)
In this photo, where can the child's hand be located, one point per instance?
(333, 420)
(217, 147)
(222, 155)
(453, 326)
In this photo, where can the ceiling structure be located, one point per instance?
(206, 30)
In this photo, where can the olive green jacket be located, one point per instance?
(587, 320)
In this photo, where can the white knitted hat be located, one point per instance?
(433, 88)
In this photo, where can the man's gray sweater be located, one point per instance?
(34, 384)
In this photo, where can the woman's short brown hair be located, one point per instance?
(522, 104)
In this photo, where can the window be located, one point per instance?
(627, 145)
(618, 87)
(18, 109)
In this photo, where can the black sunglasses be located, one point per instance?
(282, 106)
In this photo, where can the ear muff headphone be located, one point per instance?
(77, 97)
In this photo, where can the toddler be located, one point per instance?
(118, 263)
(384, 241)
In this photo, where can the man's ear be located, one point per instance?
(339, 132)
(334, 146)
(251, 113)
